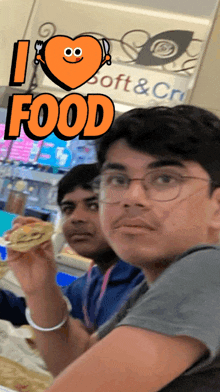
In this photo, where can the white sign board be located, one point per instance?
(131, 85)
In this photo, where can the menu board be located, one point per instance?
(25, 149)
(4, 144)
(83, 151)
(54, 152)
(66, 154)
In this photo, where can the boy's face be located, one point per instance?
(147, 231)
(81, 224)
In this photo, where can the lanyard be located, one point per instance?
(91, 324)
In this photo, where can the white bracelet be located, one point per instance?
(35, 326)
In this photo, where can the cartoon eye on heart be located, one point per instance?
(68, 52)
(164, 48)
(70, 63)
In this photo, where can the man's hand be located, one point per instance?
(36, 268)
(36, 272)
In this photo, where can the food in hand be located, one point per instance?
(30, 235)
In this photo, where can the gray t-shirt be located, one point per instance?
(184, 300)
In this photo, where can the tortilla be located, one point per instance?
(30, 235)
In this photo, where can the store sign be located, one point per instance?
(4, 144)
(24, 149)
(134, 85)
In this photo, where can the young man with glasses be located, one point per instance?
(159, 195)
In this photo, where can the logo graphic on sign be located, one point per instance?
(164, 48)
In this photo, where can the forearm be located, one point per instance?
(60, 347)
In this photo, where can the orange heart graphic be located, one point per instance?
(72, 62)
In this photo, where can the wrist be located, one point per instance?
(47, 284)
(51, 328)
(47, 308)
(49, 289)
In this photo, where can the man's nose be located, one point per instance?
(136, 195)
(79, 214)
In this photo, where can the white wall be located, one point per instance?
(200, 8)
(206, 91)
(14, 15)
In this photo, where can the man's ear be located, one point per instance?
(215, 213)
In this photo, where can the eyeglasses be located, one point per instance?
(160, 185)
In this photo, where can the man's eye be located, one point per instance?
(67, 210)
(115, 180)
(166, 180)
(93, 206)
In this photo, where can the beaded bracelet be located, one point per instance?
(35, 326)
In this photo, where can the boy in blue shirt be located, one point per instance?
(99, 293)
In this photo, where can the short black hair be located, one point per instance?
(185, 132)
(79, 176)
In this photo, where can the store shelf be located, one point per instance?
(72, 265)
(33, 175)
(75, 266)
(65, 264)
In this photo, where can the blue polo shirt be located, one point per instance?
(123, 279)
